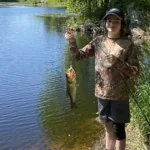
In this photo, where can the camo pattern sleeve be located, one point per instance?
(85, 52)
(130, 67)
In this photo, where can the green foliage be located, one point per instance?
(96, 8)
(85, 8)
(51, 3)
(33, 2)
(55, 1)
(142, 96)
(8, 0)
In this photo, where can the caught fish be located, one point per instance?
(71, 85)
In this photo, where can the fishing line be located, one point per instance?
(142, 112)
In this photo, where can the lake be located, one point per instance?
(35, 111)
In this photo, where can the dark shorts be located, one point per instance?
(114, 110)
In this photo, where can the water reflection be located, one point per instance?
(54, 23)
(34, 107)
(64, 127)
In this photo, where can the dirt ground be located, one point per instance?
(134, 140)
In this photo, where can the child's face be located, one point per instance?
(113, 24)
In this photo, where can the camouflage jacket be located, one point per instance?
(111, 80)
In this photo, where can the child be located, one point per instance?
(115, 62)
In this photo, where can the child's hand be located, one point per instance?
(111, 59)
(68, 34)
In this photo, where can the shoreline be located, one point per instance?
(130, 139)
(132, 142)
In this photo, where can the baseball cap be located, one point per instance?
(114, 11)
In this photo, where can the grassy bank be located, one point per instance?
(141, 96)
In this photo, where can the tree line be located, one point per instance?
(97, 8)
(91, 9)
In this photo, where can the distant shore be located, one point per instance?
(2, 4)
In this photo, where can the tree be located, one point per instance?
(97, 8)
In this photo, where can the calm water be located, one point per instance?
(35, 112)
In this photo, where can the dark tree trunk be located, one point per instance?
(89, 7)
(106, 4)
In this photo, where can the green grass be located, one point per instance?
(142, 94)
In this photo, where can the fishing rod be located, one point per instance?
(148, 134)
(141, 111)
(136, 102)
